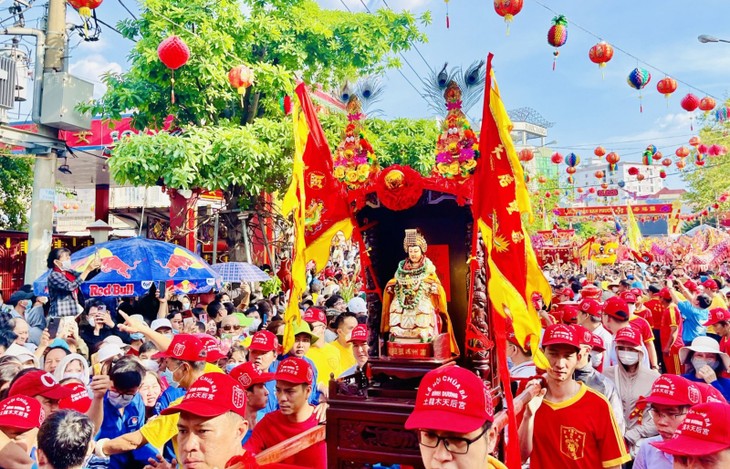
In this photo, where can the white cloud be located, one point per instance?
(91, 67)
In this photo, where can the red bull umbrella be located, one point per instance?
(233, 272)
(129, 267)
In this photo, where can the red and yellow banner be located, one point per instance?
(645, 209)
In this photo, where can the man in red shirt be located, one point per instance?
(568, 425)
(719, 318)
(671, 333)
(294, 416)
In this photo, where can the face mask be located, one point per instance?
(66, 265)
(78, 376)
(185, 306)
(628, 358)
(698, 363)
(595, 359)
(29, 304)
(119, 400)
(231, 366)
(167, 374)
(254, 326)
(136, 336)
(510, 363)
(330, 336)
(151, 365)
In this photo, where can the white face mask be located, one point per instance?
(185, 305)
(628, 358)
(698, 363)
(254, 326)
(595, 359)
(78, 376)
(66, 265)
(119, 400)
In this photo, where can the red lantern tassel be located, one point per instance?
(447, 21)
(172, 87)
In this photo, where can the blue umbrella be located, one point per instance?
(232, 272)
(129, 267)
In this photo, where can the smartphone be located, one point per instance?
(203, 318)
(161, 288)
(53, 324)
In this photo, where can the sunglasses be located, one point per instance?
(231, 328)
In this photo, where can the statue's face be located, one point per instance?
(414, 254)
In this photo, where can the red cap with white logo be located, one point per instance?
(592, 307)
(617, 308)
(359, 333)
(211, 395)
(212, 347)
(248, 374)
(38, 383)
(263, 341)
(79, 400)
(562, 334)
(294, 370)
(716, 315)
(629, 335)
(184, 347)
(21, 412)
(673, 390)
(451, 399)
(314, 315)
(628, 296)
(704, 431)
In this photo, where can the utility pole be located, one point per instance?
(40, 230)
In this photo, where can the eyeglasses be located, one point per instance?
(453, 444)
(231, 328)
(668, 415)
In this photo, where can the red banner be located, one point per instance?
(647, 209)
(607, 192)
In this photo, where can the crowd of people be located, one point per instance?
(638, 375)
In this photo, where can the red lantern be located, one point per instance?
(662, 174)
(682, 152)
(542, 179)
(694, 141)
(604, 185)
(526, 155)
(715, 206)
(640, 177)
(174, 53)
(557, 158)
(707, 104)
(612, 158)
(556, 192)
(547, 195)
(666, 162)
(599, 174)
(591, 190)
(633, 171)
(690, 102)
(702, 149)
(580, 190)
(570, 170)
(666, 86)
(84, 7)
(681, 164)
(601, 54)
(599, 152)
(508, 9)
(657, 156)
(240, 77)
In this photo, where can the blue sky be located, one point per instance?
(586, 109)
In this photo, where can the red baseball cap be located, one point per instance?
(21, 412)
(710, 393)
(690, 285)
(211, 395)
(38, 383)
(567, 292)
(710, 284)
(591, 291)
(360, 333)
(628, 334)
(597, 343)
(264, 341)
(294, 370)
(248, 374)
(584, 335)
(628, 296)
(557, 334)
(716, 315)
(79, 400)
(592, 307)
(451, 399)
(664, 294)
(616, 308)
(673, 390)
(570, 314)
(184, 347)
(313, 314)
(212, 347)
(705, 430)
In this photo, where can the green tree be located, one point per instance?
(241, 144)
(542, 205)
(706, 183)
(16, 176)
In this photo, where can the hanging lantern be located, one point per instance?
(682, 152)
(570, 170)
(723, 150)
(599, 152)
(542, 179)
(601, 54)
(556, 192)
(448, 23)
(508, 9)
(666, 162)
(694, 141)
(527, 178)
(662, 174)
(558, 35)
(690, 102)
(174, 53)
(84, 7)
(240, 77)
(667, 86)
(613, 158)
(640, 177)
(700, 159)
(657, 156)
(599, 174)
(707, 104)
(579, 190)
(714, 150)
(557, 158)
(621, 184)
(721, 114)
(651, 148)
(572, 160)
(633, 171)
(702, 149)
(591, 190)
(638, 79)
(526, 155)
(681, 164)
(570, 178)
(604, 185)
(646, 158)
(547, 195)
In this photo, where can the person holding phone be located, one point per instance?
(96, 324)
(64, 282)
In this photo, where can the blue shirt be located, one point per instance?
(721, 384)
(693, 318)
(649, 457)
(117, 423)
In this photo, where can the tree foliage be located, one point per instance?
(706, 183)
(16, 187)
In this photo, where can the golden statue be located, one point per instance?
(414, 302)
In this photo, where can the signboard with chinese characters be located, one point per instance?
(647, 209)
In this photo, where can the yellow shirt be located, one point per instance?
(162, 428)
(718, 301)
(326, 360)
(347, 359)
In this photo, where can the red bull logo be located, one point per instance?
(113, 289)
(180, 260)
(184, 287)
(115, 264)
